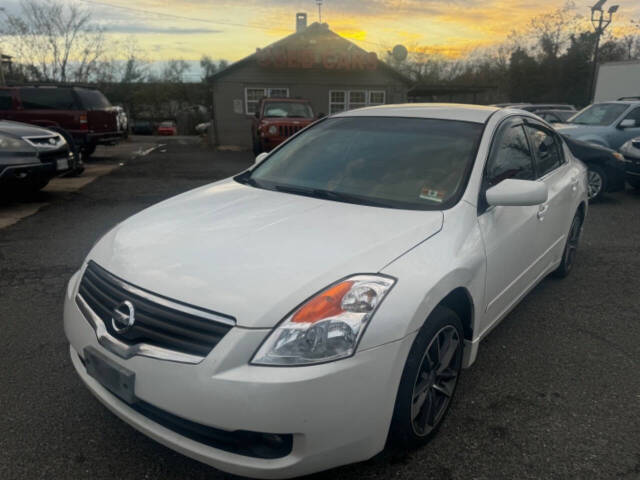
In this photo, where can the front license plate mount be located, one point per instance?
(115, 378)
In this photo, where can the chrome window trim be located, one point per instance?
(165, 302)
(128, 351)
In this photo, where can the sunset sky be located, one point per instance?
(233, 29)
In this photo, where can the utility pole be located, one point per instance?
(600, 22)
(319, 3)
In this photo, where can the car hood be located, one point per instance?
(255, 254)
(19, 130)
(574, 130)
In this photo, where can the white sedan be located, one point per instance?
(319, 306)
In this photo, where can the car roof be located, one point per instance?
(284, 99)
(440, 111)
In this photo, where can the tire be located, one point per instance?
(570, 248)
(596, 182)
(634, 182)
(88, 150)
(411, 425)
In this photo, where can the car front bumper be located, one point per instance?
(632, 168)
(337, 413)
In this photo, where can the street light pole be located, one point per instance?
(600, 21)
(2, 82)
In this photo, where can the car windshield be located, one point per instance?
(599, 114)
(166, 124)
(287, 110)
(410, 163)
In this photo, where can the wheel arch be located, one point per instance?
(460, 301)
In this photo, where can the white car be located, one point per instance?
(297, 316)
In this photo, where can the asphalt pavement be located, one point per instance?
(555, 392)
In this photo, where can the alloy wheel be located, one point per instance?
(594, 180)
(436, 380)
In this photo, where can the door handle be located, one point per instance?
(542, 211)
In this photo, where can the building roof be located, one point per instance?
(311, 36)
(441, 111)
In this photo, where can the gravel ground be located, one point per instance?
(555, 392)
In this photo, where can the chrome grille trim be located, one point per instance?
(128, 351)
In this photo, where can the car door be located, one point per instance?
(552, 168)
(623, 134)
(514, 246)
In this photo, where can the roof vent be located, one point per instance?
(301, 21)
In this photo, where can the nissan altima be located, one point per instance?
(318, 307)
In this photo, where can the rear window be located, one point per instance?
(47, 99)
(92, 99)
(6, 102)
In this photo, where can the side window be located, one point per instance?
(510, 156)
(6, 101)
(546, 148)
(634, 115)
(47, 98)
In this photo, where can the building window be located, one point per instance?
(253, 95)
(376, 97)
(279, 92)
(356, 99)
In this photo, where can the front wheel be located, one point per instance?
(570, 248)
(596, 182)
(429, 380)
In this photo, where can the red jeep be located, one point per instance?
(82, 115)
(276, 119)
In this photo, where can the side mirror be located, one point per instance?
(517, 193)
(627, 123)
(260, 158)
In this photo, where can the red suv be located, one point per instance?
(82, 115)
(276, 119)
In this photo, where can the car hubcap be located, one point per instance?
(595, 183)
(572, 242)
(436, 380)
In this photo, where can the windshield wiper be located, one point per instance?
(330, 195)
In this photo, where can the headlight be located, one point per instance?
(12, 144)
(273, 130)
(328, 326)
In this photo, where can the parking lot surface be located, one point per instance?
(555, 392)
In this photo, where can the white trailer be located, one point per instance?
(616, 80)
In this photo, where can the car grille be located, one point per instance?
(155, 324)
(288, 130)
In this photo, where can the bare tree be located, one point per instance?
(174, 71)
(57, 40)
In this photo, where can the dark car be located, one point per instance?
(142, 127)
(555, 116)
(31, 156)
(606, 167)
(276, 119)
(83, 116)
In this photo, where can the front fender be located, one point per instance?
(453, 258)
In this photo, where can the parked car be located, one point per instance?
(122, 120)
(555, 116)
(320, 305)
(167, 128)
(83, 116)
(631, 152)
(606, 167)
(537, 107)
(609, 124)
(203, 128)
(142, 127)
(31, 156)
(276, 119)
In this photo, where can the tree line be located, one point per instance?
(549, 61)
